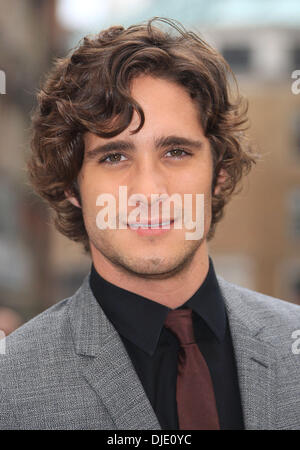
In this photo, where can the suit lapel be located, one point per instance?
(256, 361)
(113, 377)
(256, 373)
(109, 370)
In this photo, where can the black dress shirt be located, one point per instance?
(153, 349)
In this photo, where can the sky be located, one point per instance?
(92, 15)
(84, 14)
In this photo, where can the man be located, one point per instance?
(153, 339)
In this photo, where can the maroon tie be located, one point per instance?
(196, 404)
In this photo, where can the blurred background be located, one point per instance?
(257, 245)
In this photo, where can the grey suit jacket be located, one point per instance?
(68, 369)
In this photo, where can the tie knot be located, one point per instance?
(179, 321)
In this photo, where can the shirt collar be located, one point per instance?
(208, 303)
(140, 320)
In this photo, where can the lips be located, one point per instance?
(149, 225)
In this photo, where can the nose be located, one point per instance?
(148, 181)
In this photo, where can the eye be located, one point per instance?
(112, 158)
(178, 153)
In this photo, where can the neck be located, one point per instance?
(172, 291)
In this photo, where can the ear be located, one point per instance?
(220, 180)
(72, 199)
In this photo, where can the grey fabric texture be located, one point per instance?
(67, 368)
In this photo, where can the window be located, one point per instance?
(295, 129)
(295, 57)
(287, 280)
(293, 206)
(239, 57)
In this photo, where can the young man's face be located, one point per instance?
(147, 165)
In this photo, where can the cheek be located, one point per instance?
(197, 182)
(91, 186)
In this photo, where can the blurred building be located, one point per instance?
(258, 242)
(30, 37)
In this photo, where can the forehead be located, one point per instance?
(158, 95)
(143, 84)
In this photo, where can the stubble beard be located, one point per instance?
(152, 267)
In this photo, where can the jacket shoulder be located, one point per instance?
(276, 321)
(42, 331)
(29, 355)
(258, 301)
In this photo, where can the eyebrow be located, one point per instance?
(159, 143)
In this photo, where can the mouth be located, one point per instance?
(149, 226)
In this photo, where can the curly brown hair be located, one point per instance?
(89, 90)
